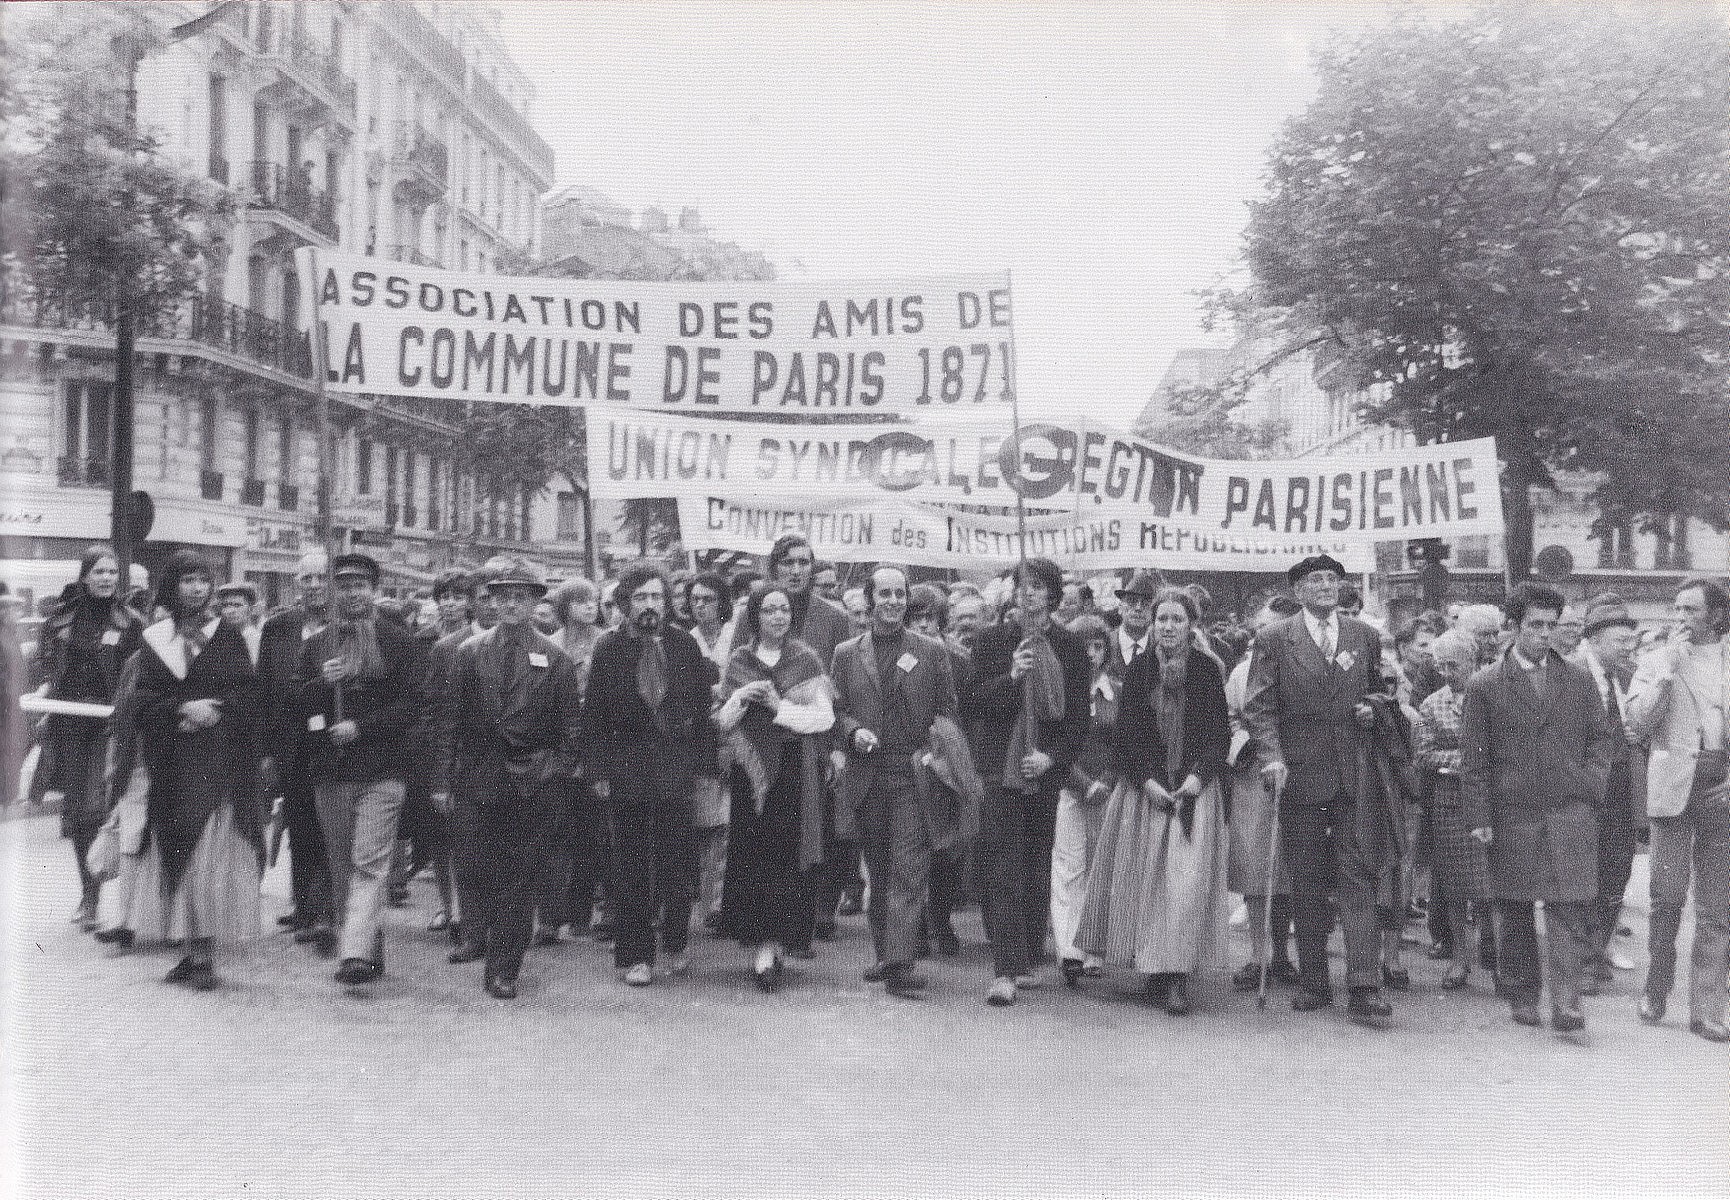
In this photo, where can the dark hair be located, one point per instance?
(1406, 634)
(571, 591)
(1528, 596)
(93, 555)
(723, 594)
(1432, 619)
(871, 583)
(785, 545)
(1283, 605)
(1181, 598)
(1202, 597)
(634, 577)
(1350, 596)
(1717, 601)
(742, 582)
(454, 583)
(750, 617)
(1045, 573)
(1090, 627)
(927, 600)
(181, 564)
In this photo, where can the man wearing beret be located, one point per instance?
(360, 682)
(1306, 710)
(504, 748)
(1608, 653)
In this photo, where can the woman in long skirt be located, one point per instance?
(197, 714)
(777, 711)
(1157, 897)
(84, 644)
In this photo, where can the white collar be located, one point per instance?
(1317, 624)
(1524, 662)
(169, 644)
(1133, 646)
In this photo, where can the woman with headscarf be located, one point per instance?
(778, 708)
(84, 644)
(198, 708)
(1157, 896)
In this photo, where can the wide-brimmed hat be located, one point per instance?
(1142, 583)
(1315, 562)
(508, 570)
(1607, 610)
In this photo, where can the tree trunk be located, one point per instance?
(1517, 535)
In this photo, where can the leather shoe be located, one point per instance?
(1308, 1001)
(1397, 978)
(1439, 951)
(357, 971)
(545, 935)
(1456, 978)
(1367, 1004)
(502, 989)
(1526, 1013)
(1247, 978)
(468, 952)
(1282, 971)
(1177, 996)
(181, 971)
(1567, 1020)
(640, 975)
(802, 953)
(1071, 971)
(117, 936)
(1001, 993)
(1652, 1009)
(876, 973)
(1712, 1031)
(306, 933)
(203, 977)
(905, 983)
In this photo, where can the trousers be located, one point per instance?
(654, 861)
(1012, 872)
(1074, 837)
(1695, 843)
(309, 860)
(500, 846)
(1322, 857)
(1615, 861)
(898, 855)
(359, 822)
(1567, 951)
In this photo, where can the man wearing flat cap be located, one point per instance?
(504, 750)
(1610, 633)
(235, 603)
(1306, 710)
(359, 700)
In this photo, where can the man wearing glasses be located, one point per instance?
(1305, 709)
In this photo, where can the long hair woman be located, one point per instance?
(198, 708)
(85, 642)
(1156, 899)
(777, 709)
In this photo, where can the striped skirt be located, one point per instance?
(218, 892)
(1156, 897)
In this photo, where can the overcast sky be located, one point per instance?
(1101, 153)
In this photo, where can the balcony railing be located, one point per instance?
(280, 189)
(287, 497)
(420, 35)
(495, 108)
(425, 156)
(210, 484)
(252, 492)
(201, 319)
(322, 68)
(84, 472)
(410, 254)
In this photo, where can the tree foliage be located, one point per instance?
(1200, 419)
(1516, 222)
(83, 200)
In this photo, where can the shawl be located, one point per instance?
(356, 644)
(756, 744)
(1168, 705)
(1041, 700)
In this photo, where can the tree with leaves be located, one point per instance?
(1516, 221)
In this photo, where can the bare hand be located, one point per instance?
(1191, 787)
(837, 761)
(442, 803)
(1485, 835)
(343, 733)
(1274, 774)
(334, 671)
(1035, 764)
(1365, 714)
(1021, 664)
(864, 741)
(603, 789)
(200, 714)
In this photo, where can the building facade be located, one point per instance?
(397, 130)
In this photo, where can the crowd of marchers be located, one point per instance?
(744, 755)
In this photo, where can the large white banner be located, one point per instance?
(918, 534)
(1081, 468)
(940, 344)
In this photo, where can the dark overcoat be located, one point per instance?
(1301, 708)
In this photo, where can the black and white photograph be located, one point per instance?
(911, 599)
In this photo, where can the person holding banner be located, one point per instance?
(1027, 702)
(83, 645)
(1157, 897)
(773, 722)
(1307, 710)
(648, 734)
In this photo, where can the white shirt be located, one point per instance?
(1704, 668)
(1130, 647)
(1323, 633)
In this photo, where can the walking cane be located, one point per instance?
(1267, 902)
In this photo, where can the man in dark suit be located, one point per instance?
(1305, 708)
(1535, 747)
(1607, 652)
(280, 643)
(504, 749)
(890, 685)
(648, 734)
(1027, 701)
(1134, 633)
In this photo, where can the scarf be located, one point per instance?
(757, 744)
(356, 644)
(1168, 705)
(651, 672)
(1041, 700)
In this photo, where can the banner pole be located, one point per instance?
(307, 259)
(1015, 418)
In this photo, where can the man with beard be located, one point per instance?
(280, 643)
(360, 688)
(648, 734)
(504, 750)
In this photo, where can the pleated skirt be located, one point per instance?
(1156, 897)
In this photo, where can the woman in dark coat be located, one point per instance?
(1156, 899)
(198, 710)
(774, 721)
(14, 730)
(84, 643)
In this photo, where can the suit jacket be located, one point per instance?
(825, 627)
(1533, 769)
(925, 690)
(279, 647)
(1299, 708)
(618, 731)
(990, 700)
(1664, 713)
(509, 719)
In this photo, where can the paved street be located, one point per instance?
(282, 1084)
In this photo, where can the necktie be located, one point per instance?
(1327, 643)
(1611, 704)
